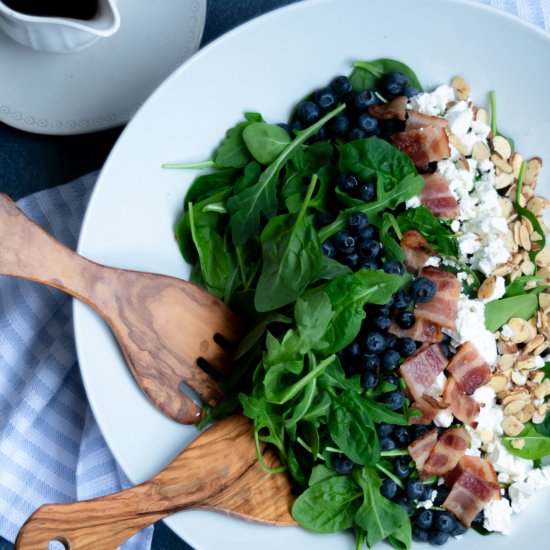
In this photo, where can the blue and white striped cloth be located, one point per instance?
(51, 449)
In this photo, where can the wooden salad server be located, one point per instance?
(218, 471)
(167, 328)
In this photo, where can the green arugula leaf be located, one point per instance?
(328, 506)
(499, 312)
(537, 445)
(517, 286)
(380, 413)
(367, 75)
(261, 198)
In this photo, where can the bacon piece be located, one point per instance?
(481, 467)
(416, 249)
(449, 449)
(463, 407)
(394, 110)
(443, 308)
(468, 496)
(420, 370)
(421, 448)
(429, 407)
(421, 331)
(437, 197)
(469, 368)
(424, 145)
(417, 120)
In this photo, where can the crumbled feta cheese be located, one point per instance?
(433, 103)
(506, 331)
(462, 276)
(459, 117)
(498, 290)
(443, 419)
(498, 516)
(470, 326)
(539, 361)
(521, 492)
(434, 261)
(413, 203)
(468, 244)
(426, 504)
(455, 226)
(503, 461)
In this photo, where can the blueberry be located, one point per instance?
(364, 99)
(375, 342)
(340, 125)
(370, 264)
(428, 490)
(382, 322)
(406, 346)
(401, 299)
(419, 534)
(388, 489)
(370, 361)
(411, 91)
(384, 430)
(394, 267)
(357, 221)
(437, 538)
(368, 232)
(369, 379)
(393, 399)
(405, 319)
(404, 502)
(344, 241)
(401, 467)
(385, 310)
(322, 219)
(390, 359)
(352, 260)
(387, 444)
(343, 465)
(458, 530)
(442, 494)
(414, 488)
(422, 290)
(325, 98)
(416, 431)
(391, 341)
(297, 125)
(367, 123)
(341, 86)
(353, 350)
(328, 249)
(348, 183)
(446, 350)
(366, 192)
(308, 112)
(424, 518)
(394, 83)
(369, 249)
(401, 436)
(355, 134)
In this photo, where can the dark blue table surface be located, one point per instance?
(31, 162)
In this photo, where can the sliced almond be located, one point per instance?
(457, 142)
(482, 116)
(506, 361)
(487, 288)
(504, 180)
(533, 344)
(502, 146)
(532, 171)
(538, 377)
(518, 378)
(516, 394)
(461, 87)
(512, 426)
(498, 382)
(526, 413)
(516, 161)
(501, 164)
(524, 237)
(539, 349)
(537, 205)
(527, 268)
(538, 418)
(518, 443)
(543, 257)
(480, 151)
(543, 390)
(522, 330)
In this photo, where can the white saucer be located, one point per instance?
(103, 85)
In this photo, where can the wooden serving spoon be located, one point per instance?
(218, 471)
(167, 328)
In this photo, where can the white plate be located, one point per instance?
(104, 85)
(267, 65)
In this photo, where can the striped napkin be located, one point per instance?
(51, 449)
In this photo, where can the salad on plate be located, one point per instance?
(386, 248)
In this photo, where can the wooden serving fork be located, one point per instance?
(218, 471)
(167, 328)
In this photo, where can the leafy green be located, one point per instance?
(536, 444)
(368, 74)
(265, 141)
(517, 286)
(499, 312)
(494, 130)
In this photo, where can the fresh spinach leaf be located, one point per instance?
(380, 413)
(265, 141)
(544, 427)
(319, 473)
(328, 506)
(233, 151)
(261, 198)
(368, 74)
(499, 312)
(537, 445)
(210, 184)
(391, 247)
(353, 430)
(258, 331)
(348, 295)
